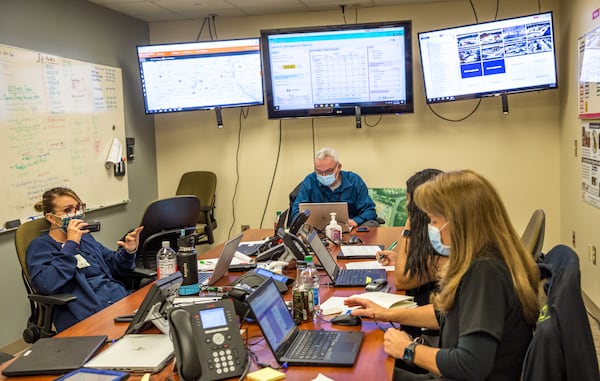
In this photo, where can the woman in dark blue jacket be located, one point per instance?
(66, 259)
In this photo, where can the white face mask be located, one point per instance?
(326, 180)
(435, 237)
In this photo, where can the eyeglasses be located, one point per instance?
(73, 210)
(327, 172)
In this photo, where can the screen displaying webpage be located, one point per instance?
(328, 69)
(197, 75)
(485, 59)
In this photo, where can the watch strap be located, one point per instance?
(409, 353)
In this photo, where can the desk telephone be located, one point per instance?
(207, 341)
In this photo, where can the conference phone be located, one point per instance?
(207, 341)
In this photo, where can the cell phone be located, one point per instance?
(92, 226)
(362, 229)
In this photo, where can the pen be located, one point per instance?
(393, 245)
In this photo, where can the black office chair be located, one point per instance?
(165, 220)
(202, 184)
(40, 321)
(533, 235)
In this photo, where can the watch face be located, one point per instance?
(409, 353)
(405, 233)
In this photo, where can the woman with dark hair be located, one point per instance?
(66, 259)
(417, 262)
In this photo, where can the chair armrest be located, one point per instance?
(206, 208)
(140, 272)
(57, 299)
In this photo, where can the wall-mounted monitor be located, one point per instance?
(338, 70)
(201, 75)
(488, 59)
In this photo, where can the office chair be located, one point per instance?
(165, 220)
(202, 184)
(562, 348)
(40, 321)
(533, 236)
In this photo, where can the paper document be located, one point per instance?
(359, 251)
(335, 304)
(368, 265)
(114, 153)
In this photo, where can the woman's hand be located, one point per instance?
(394, 342)
(386, 257)
(366, 308)
(74, 230)
(132, 240)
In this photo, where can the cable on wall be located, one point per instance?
(237, 170)
(201, 28)
(262, 219)
(374, 124)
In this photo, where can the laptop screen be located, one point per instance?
(272, 315)
(323, 255)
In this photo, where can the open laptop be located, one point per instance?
(294, 346)
(319, 214)
(209, 278)
(147, 353)
(339, 276)
(55, 355)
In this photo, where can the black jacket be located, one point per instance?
(562, 348)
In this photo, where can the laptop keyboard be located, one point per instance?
(203, 277)
(353, 276)
(314, 345)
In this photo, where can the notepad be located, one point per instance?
(359, 251)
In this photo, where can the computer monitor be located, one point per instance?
(154, 307)
(338, 70)
(489, 59)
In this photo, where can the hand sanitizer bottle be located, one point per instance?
(333, 231)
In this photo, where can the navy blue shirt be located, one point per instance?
(352, 190)
(53, 270)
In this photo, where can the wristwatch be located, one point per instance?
(409, 353)
(405, 233)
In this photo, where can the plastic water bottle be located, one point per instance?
(311, 275)
(165, 260)
(302, 297)
(333, 231)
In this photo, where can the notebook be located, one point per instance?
(294, 346)
(339, 276)
(135, 353)
(319, 214)
(209, 278)
(55, 355)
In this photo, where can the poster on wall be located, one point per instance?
(590, 162)
(589, 76)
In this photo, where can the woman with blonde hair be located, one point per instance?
(486, 306)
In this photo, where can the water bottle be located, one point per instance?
(165, 261)
(302, 297)
(187, 263)
(311, 275)
(333, 231)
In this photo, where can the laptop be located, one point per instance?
(339, 276)
(319, 214)
(55, 355)
(252, 248)
(294, 346)
(209, 278)
(147, 353)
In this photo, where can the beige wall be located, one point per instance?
(577, 216)
(518, 152)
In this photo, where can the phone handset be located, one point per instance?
(207, 341)
(296, 246)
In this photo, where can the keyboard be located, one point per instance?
(358, 277)
(203, 277)
(314, 345)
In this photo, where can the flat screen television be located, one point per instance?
(356, 69)
(156, 305)
(488, 59)
(201, 75)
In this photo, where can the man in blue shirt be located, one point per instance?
(328, 183)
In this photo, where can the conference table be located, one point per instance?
(372, 362)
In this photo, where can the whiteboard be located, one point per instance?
(58, 119)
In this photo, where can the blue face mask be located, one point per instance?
(326, 180)
(435, 237)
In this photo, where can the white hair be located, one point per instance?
(325, 153)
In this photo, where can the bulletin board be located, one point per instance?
(59, 118)
(589, 76)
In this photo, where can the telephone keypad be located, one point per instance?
(223, 360)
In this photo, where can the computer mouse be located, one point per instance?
(376, 285)
(354, 240)
(346, 319)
